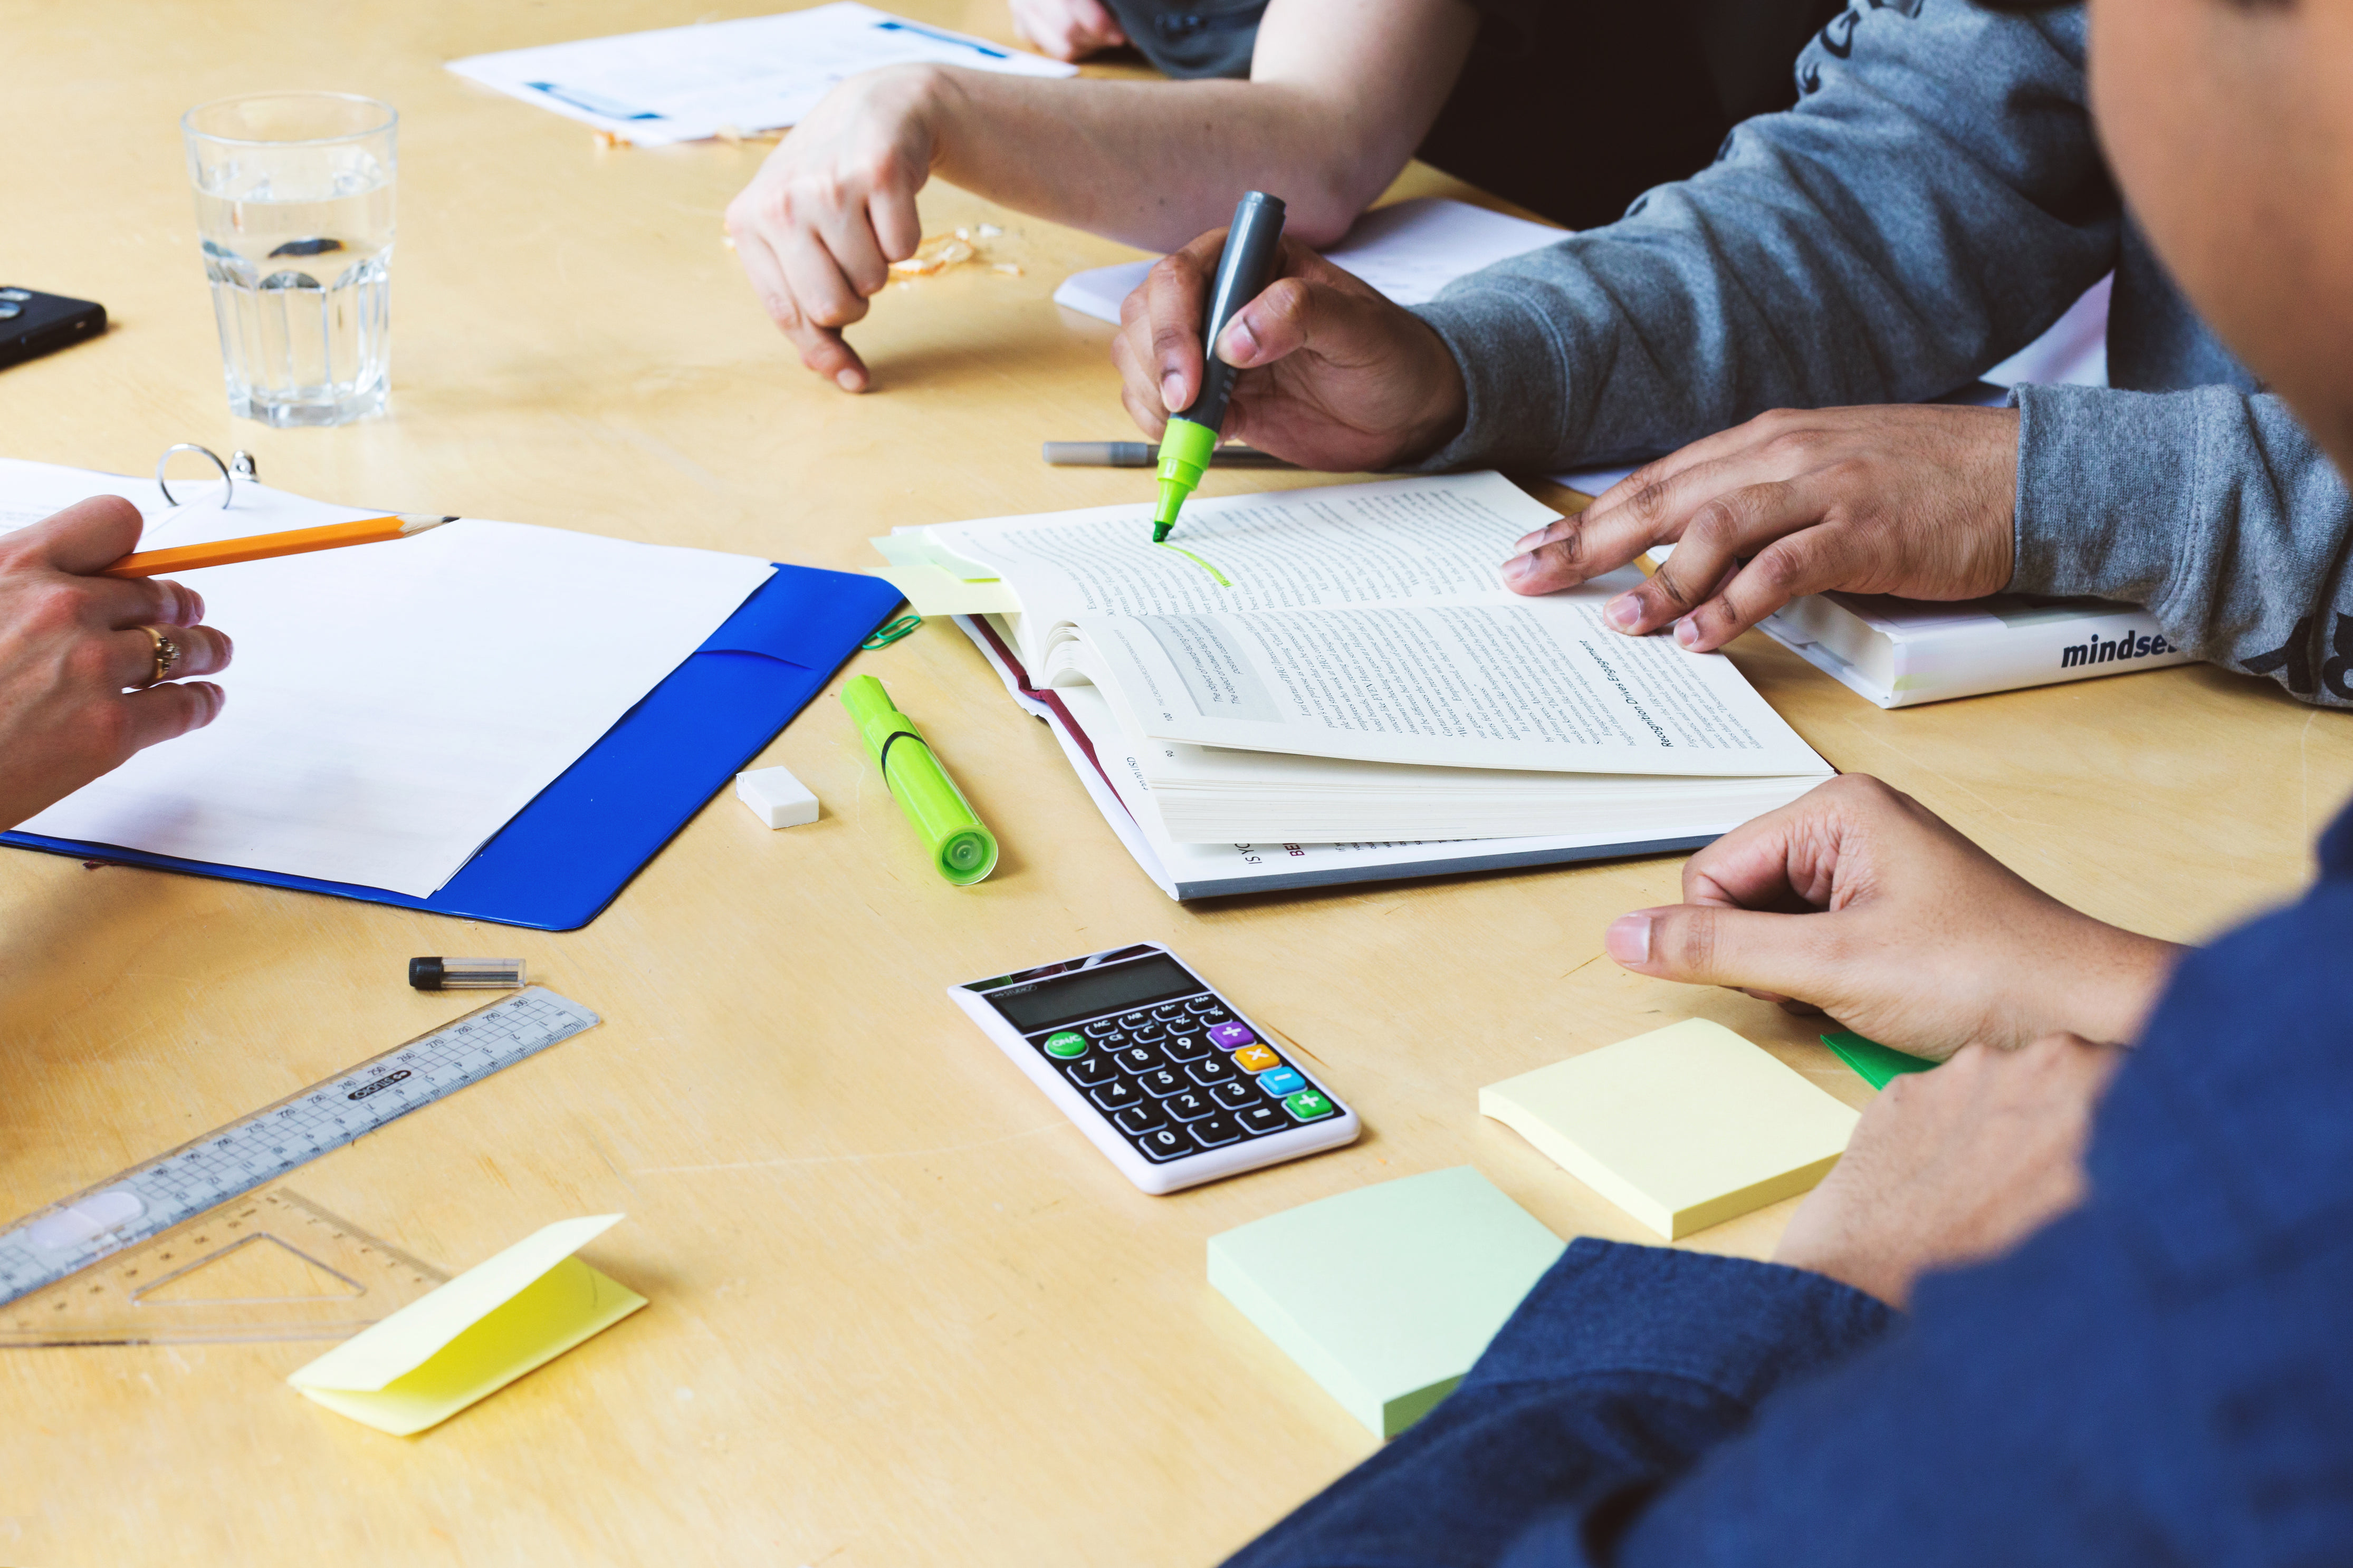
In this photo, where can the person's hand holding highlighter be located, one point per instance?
(92, 667)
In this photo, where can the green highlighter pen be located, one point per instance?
(1245, 268)
(963, 848)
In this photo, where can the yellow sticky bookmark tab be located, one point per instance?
(934, 593)
(474, 1335)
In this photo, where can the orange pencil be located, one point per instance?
(263, 546)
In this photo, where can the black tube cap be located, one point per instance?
(425, 974)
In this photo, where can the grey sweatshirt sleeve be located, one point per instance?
(2214, 507)
(1932, 203)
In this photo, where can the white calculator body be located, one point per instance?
(1162, 1073)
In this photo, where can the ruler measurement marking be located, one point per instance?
(231, 1160)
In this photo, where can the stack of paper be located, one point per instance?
(679, 84)
(1342, 665)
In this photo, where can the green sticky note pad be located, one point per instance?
(1875, 1062)
(1387, 1294)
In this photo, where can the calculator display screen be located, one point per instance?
(1084, 993)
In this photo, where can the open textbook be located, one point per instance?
(1339, 664)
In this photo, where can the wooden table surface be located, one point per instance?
(901, 1312)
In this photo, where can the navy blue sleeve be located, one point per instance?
(2158, 1377)
(1623, 1364)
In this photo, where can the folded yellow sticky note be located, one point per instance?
(1682, 1128)
(474, 1335)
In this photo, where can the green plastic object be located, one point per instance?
(1386, 1295)
(962, 847)
(1875, 1062)
(1184, 450)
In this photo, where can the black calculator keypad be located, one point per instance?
(1117, 1095)
(1138, 1118)
(1172, 1089)
(1216, 1131)
(1090, 1070)
(1189, 1106)
(1213, 1071)
(1165, 1144)
(1185, 1045)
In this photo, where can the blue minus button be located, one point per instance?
(1281, 1081)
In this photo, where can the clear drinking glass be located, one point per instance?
(294, 207)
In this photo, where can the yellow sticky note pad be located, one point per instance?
(1682, 1128)
(474, 1335)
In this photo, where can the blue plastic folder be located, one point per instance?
(568, 854)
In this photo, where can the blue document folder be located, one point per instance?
(560, 860)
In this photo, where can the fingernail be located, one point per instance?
(1517, 569)
(1624, 612)
(848, 381)
(1531, 541)
(1170, 387)
(1628, 939)
(1238, 347)
(1687, 631)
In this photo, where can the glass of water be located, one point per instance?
(294, 208)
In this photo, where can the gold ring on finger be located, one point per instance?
(167, 654)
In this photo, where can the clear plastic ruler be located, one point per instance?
(227, 1163)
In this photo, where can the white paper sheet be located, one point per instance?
(679, 84)
(31, 492)
(391, 706)
(1409, 251)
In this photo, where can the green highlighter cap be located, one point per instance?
(1878, 1064)
(1184, 453)
(962, 847)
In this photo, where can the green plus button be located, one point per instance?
(1306, 1105)
(1066, 1044)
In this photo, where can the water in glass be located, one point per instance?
(297, 240)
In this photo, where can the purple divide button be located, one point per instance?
(1228, 1037)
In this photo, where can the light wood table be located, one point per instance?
(901, 1312)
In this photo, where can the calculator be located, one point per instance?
(1162, 1073)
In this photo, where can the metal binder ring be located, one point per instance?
(228, 480)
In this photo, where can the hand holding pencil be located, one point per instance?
(89, 664)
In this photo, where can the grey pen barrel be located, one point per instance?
(1246, 265)
(1143, 455)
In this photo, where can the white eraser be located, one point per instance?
(776, 797)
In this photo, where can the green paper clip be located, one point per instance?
(1875, 1062)
(962, 847)
(891, 633)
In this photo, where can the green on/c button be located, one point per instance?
(1065, 1044)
